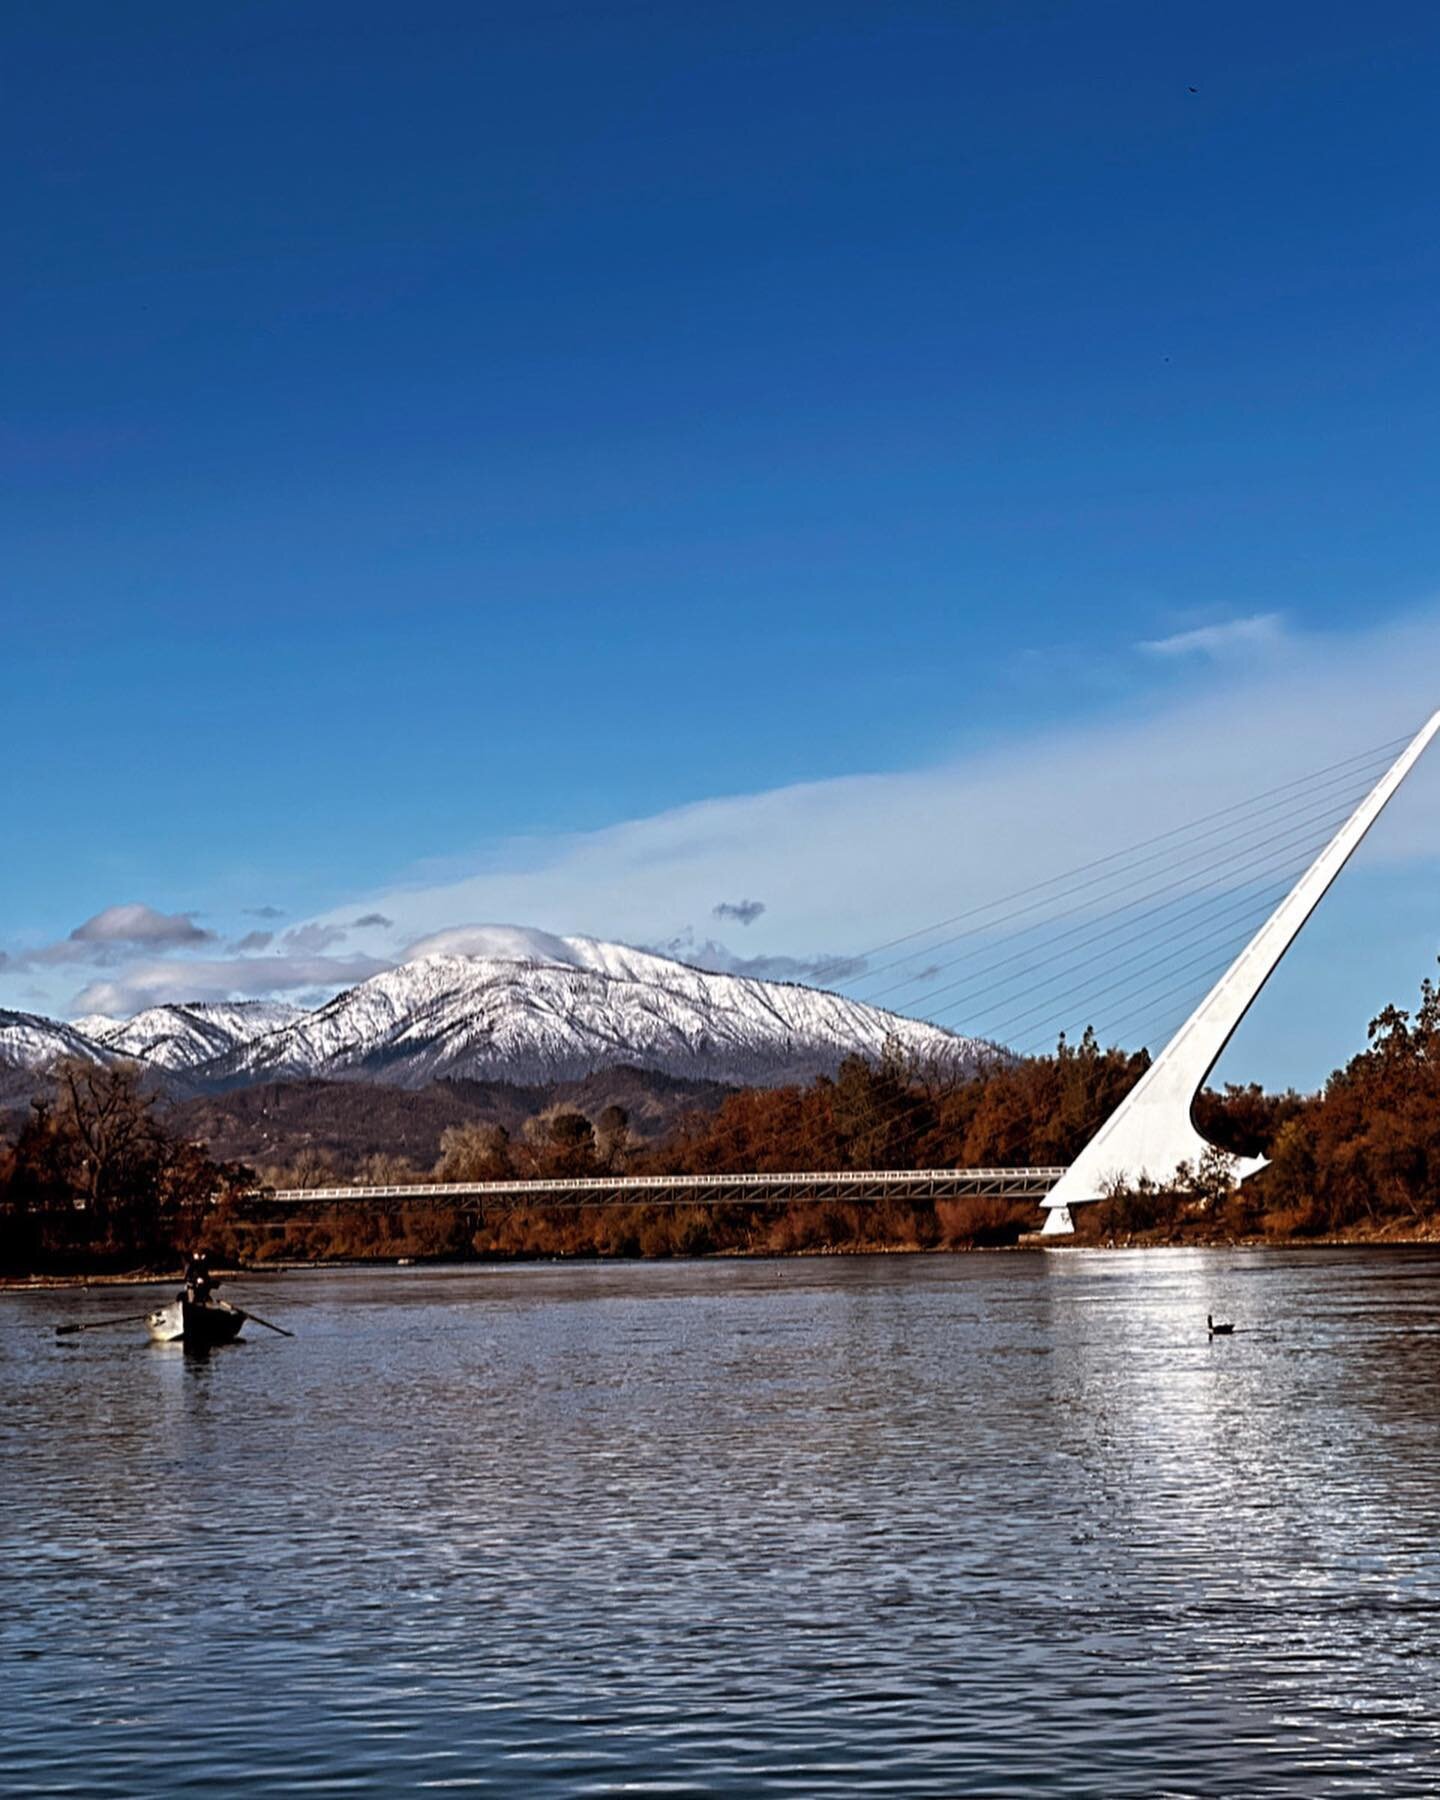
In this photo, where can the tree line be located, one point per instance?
(94, 1178)
(94, 1175)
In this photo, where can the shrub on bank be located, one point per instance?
(1362, 1157)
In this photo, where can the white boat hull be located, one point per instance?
(182, 1322)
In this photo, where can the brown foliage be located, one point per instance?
(272, 1122)
(96, 1176)
(474, 1152)
(1039, 1110)
(1368, 1149)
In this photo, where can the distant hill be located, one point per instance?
(274, 1122)
(541, 1021)
(535, 1011)
(29, 1045)
(185, 1038)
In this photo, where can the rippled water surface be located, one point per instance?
(903, 1525)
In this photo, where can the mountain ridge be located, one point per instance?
(527, 1008)
(445, 1016)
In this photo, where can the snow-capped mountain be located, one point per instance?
(180, 1038)
(507, 1004)
(96, 1025)
(578, 1005)
(30, 1045)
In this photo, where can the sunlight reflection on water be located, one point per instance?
(932, 1526)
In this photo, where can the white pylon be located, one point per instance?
(1151, 1132)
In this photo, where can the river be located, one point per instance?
(987, 1524)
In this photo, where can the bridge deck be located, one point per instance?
(691, 1190)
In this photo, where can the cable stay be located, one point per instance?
(1131, 958)
(1323, 817)
(1238, 869)
(841, 966)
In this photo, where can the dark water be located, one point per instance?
(938, 1526)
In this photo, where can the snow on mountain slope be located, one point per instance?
(30, 1045)
(527, 1008)
(183, 1038)
(96, 1025)
(578, 1005)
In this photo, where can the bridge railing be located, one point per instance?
(1023, 1182)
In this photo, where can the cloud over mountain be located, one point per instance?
(708, 953)
(118, 930)
(743, 912)
(851, 862)
(222, 978)
(139, 924)
(313, 938)
(848, 863)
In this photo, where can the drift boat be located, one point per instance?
(201, 1326)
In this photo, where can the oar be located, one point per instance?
(100, 1324)
(266, 1323)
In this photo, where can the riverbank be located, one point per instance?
(1372, 1235)
(1377, 1234)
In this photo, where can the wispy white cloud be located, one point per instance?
(849, 861)
(1257, 634)
(221, 978)
(506, 943)
(853, 862)
(522, 943)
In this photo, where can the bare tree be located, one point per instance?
(561, 1141)
(612, 1138)
(114, 1144)
(385, 1170)
(474, 1152)
(313, 1168)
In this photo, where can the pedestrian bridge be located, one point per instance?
(1151, 1135)
(694, 1190)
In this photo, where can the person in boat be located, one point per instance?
(199, 1282)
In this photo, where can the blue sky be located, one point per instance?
(431, 435)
